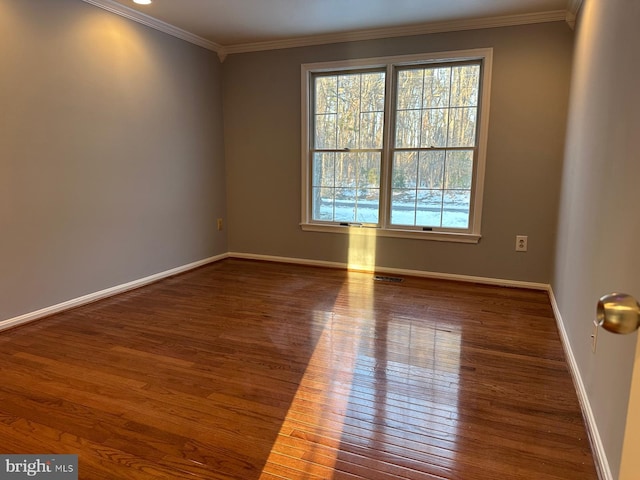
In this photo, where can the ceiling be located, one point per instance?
(228, 25)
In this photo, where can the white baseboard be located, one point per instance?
(92, 297)
(397, 271)
(599, 454)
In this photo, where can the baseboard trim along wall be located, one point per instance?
(109, 292)
(599, 454)
(92, 297)
(395, 271)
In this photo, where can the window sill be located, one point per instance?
(395, 233)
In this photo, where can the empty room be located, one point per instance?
(320, 239)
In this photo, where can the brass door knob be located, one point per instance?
(619, 313)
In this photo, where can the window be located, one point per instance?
(396, 144)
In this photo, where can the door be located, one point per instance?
(620, 314)
(630, 464)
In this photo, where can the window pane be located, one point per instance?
(372, 92)
(344, 172)
(436, 87)
(326, 91)
(459, 169)
(434, 128)
(349, 110)
(368, 190)
(432, 188)
(324, 169)
(369, 170)
(368, 205)
(429, 208)
(345, 206)
(323, 204)
(408, 127)
(410, 86)
(405, 170)
(325, 134)
(351, 184)
(465, 83)
(462, 127)
(455, 210)
(403, 206)
(431, 170)
(371, 129)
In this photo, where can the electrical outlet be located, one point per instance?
(521, 243)
(219, 224)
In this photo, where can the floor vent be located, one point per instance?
(383, 278)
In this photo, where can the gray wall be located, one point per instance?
(599, 223)
(111, 152)
(526, 140)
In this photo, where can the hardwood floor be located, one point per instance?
(250, 370)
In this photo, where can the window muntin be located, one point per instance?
(407, 159)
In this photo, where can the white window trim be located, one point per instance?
(474, 233)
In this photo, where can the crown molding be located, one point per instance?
(136, 16)
(573, 8)
(372, 34)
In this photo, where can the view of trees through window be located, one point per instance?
(433, 145)
(349, 123)
(435, 137)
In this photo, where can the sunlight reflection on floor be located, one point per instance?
(310, 436)
(345, 381)
(309, 440)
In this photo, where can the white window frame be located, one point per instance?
(473, 233)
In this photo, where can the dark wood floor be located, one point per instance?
(250, 370)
